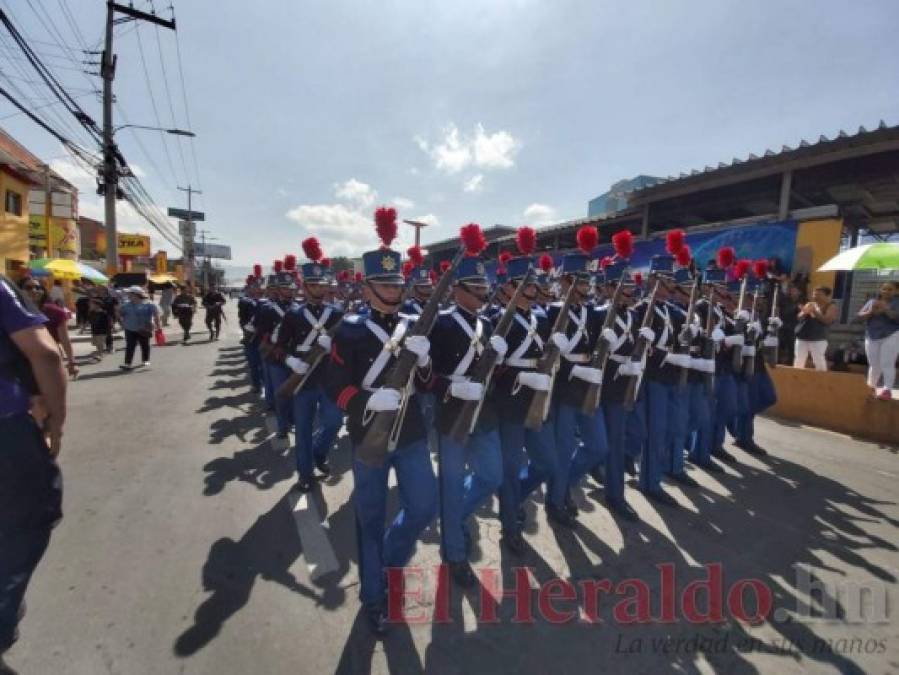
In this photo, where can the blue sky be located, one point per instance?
(309, 114)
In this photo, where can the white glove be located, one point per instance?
(733, 341)
(249, 328)
(694, 329)
(420, 346)
(677, 360)
(296, 365)
(535, 381)
(774, 323)
(771, 341)
(648, 334)
(748, 351)
(703, 365)
(631, 368)
(755, 328)
(717, 335)
(384, 400)
(499, 344)
(324, 341)
(560, 341)
(744, 315)
(467, 391)
(587, 374)
(609, 336)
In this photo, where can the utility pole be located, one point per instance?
(187, 242)
(207, 261)
(417, 225)
(110, 167)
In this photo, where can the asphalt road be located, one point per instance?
(183, 550)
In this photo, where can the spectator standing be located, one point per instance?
(881, 317)
(57, 320)
(30, 482)
(103, 314)
(812, 325)
(213, 302)
(82, 302)
(58, 294)
(138, 319)
(165, 303)
(184, 307)
(790, 304)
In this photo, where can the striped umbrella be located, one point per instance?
(879, 256)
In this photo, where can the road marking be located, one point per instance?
(317, 549)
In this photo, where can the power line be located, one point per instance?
(45, 105)
(190, 126)
(168, 94)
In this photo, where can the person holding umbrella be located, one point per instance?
(881, 317)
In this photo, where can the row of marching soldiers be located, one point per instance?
(546, 376)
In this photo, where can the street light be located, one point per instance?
(174, 132)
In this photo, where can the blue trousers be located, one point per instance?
(283, 405)
(741, 425)
(635, 431)
(518, 483)
(393, 546)
(314, 446)
(254, 365)
(576, 459)
(30, 505)
(678, 429)
(725, 407)
(661, 407)
(267, 387)
(616, 418)
(427, 402)
(699, 424)
(469, 475)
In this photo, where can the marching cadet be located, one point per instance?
(494, 310)
(574, 377)
(268, 322)
(421, 286)
(304, 325)
(619, 367)
(247, 306)
(363, 350)
(515, 382)
(472, 471)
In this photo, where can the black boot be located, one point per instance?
(622, 508)
(462, 573)
(560, 515)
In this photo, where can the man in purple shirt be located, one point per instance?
(31, 379)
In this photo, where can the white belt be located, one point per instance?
(521, 363)
(577, 358)
(618, 358)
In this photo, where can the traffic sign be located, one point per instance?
(184, 214)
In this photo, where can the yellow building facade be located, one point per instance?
(14, 253)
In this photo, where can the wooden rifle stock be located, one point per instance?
(601, 354)
(315, 355)
(686, 337)
(749, 359)
(739, 329)
(384, 428)
(464, 423)
(708, 344)
(630, 395)
(548, 365)
(771, 356)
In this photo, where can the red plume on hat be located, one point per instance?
(326, 262)
(278, 265)
(760, 268)
(312, 249)
(726, 257)
(358, 276)
(385, 224)
(344, 275)
(624, 244)
(674, 241)
(741, 269)
(526, 240)
(546, 262)
(416, 257)
(472, 239)
(290, 262)
(257, 270)
(606, 261)
(684, 256)
(638, 278)
(407, 268)
(444, 266)
(587, 238)
(504, 257)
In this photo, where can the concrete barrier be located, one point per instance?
(836, 401)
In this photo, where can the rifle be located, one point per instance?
(383, 431)
(771, 352)
(708, 344)
(601, 353)
(630, 395)
(749, 360)
(686, 337)
(295, 381)
(464, 423)
(739, 329)
(548, 365)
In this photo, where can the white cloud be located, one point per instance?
(356, 192)
(539, 214)
(402, 203)
(429, 218)
(456, 151)
(474, 184)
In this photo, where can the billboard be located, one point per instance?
(137, 245)
(63, 232)
(202, 250)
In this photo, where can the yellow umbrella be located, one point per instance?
(60, 268)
